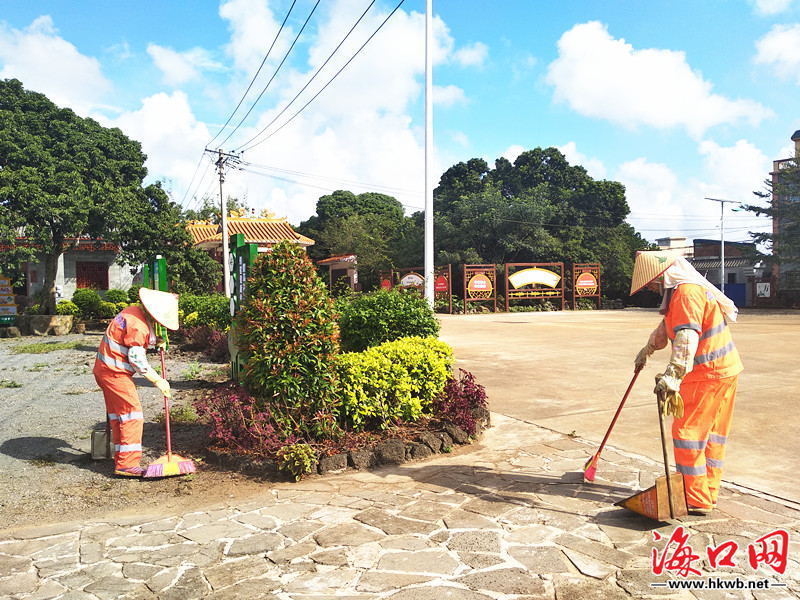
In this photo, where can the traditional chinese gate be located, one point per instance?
(480, 284)
(586, 282)
(534, 281)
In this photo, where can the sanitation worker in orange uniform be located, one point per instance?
(121, 354)
(699, 383)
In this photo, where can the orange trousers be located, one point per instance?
(700, 436)
(125, 413)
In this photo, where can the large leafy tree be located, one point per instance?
(64, 178)
(782, 200)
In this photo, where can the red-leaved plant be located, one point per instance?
(461, 399)
(239, 423)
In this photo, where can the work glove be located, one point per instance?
(163, 387)
(657, 341)
(668, 386)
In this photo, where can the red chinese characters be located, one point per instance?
(771, 550)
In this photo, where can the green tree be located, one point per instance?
(209, 209)
(64, 177)
(783, 206)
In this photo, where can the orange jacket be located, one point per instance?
(128, 328)
(693, 307)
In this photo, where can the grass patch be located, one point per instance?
(8, 383)
(192, 371)
(43, 461)
(37, 367)
(44, 347)
(180, 414)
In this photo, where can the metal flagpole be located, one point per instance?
(429, 151)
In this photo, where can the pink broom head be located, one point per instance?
(590, 469)
(169, 467)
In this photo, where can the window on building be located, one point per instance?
(732, 278)
(92, 275)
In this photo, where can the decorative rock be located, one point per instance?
(476, 541)
(432, 441)
(419, 451)
(13, 332)
(504, 581)
(362, 459)
(391, 452)
(328, 464)
(447, 441)
(459, 435)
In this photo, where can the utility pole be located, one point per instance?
(222, 160)
(722, 238)
(429, 152)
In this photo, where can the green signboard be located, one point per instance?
(242, 257)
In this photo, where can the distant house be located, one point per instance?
(741, 267)
(342, 271)
(90, 264)
(786, 275)
(266, 232)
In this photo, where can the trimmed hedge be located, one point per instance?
(213, 310)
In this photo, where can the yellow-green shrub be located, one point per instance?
(397, 380)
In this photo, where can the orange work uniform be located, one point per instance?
(708, 392)
(114, 374)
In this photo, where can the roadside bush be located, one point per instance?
(211, 342)
(297, 459)
(381, 316)
(398, 380)
(213, 310)
(67, 307)
(106, 310)
(287, 329)
(33, 309)
(240, 423)
(461, 399)
(133, 294)
(121, 306)
(88, 302)
(117, 296)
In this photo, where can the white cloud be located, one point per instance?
(460, 138)
(448, 95)
(512, 152)
(664, 205)
(593, 166)
(47, 63)
(171, 137)
(253, 27)
(603, 77)
(771, 7)
(473, 55)
(180, 67)
(780, 48)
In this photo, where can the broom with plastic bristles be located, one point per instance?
(170, 464)
(590, 468)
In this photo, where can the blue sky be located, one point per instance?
(678, 100)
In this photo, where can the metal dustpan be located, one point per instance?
(667, 498)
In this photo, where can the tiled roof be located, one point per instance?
(714, 263)
(350, 258)
(256, 231)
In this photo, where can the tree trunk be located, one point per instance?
(49, 284)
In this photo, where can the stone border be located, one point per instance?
(391, 451)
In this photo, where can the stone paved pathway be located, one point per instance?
(510, 518)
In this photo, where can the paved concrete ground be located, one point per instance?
(508, 519)
(568, 371)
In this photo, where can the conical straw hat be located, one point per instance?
(649, 265)
(162, 306)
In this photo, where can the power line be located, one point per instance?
(191, 181)
(253, 80)
(277, 70)
(396, 8)
(317, 72)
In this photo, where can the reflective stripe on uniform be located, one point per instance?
(713, 438)
(116, 346)
(134, 416)
(113, 416)
(714, 354)
(691, 470)
(114, 363)
(695, 326)
(128, 447)
(689, 444)
(713, 462)
(714, 331)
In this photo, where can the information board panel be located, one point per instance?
(586, 282)
(534, 281)
(480, 284)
